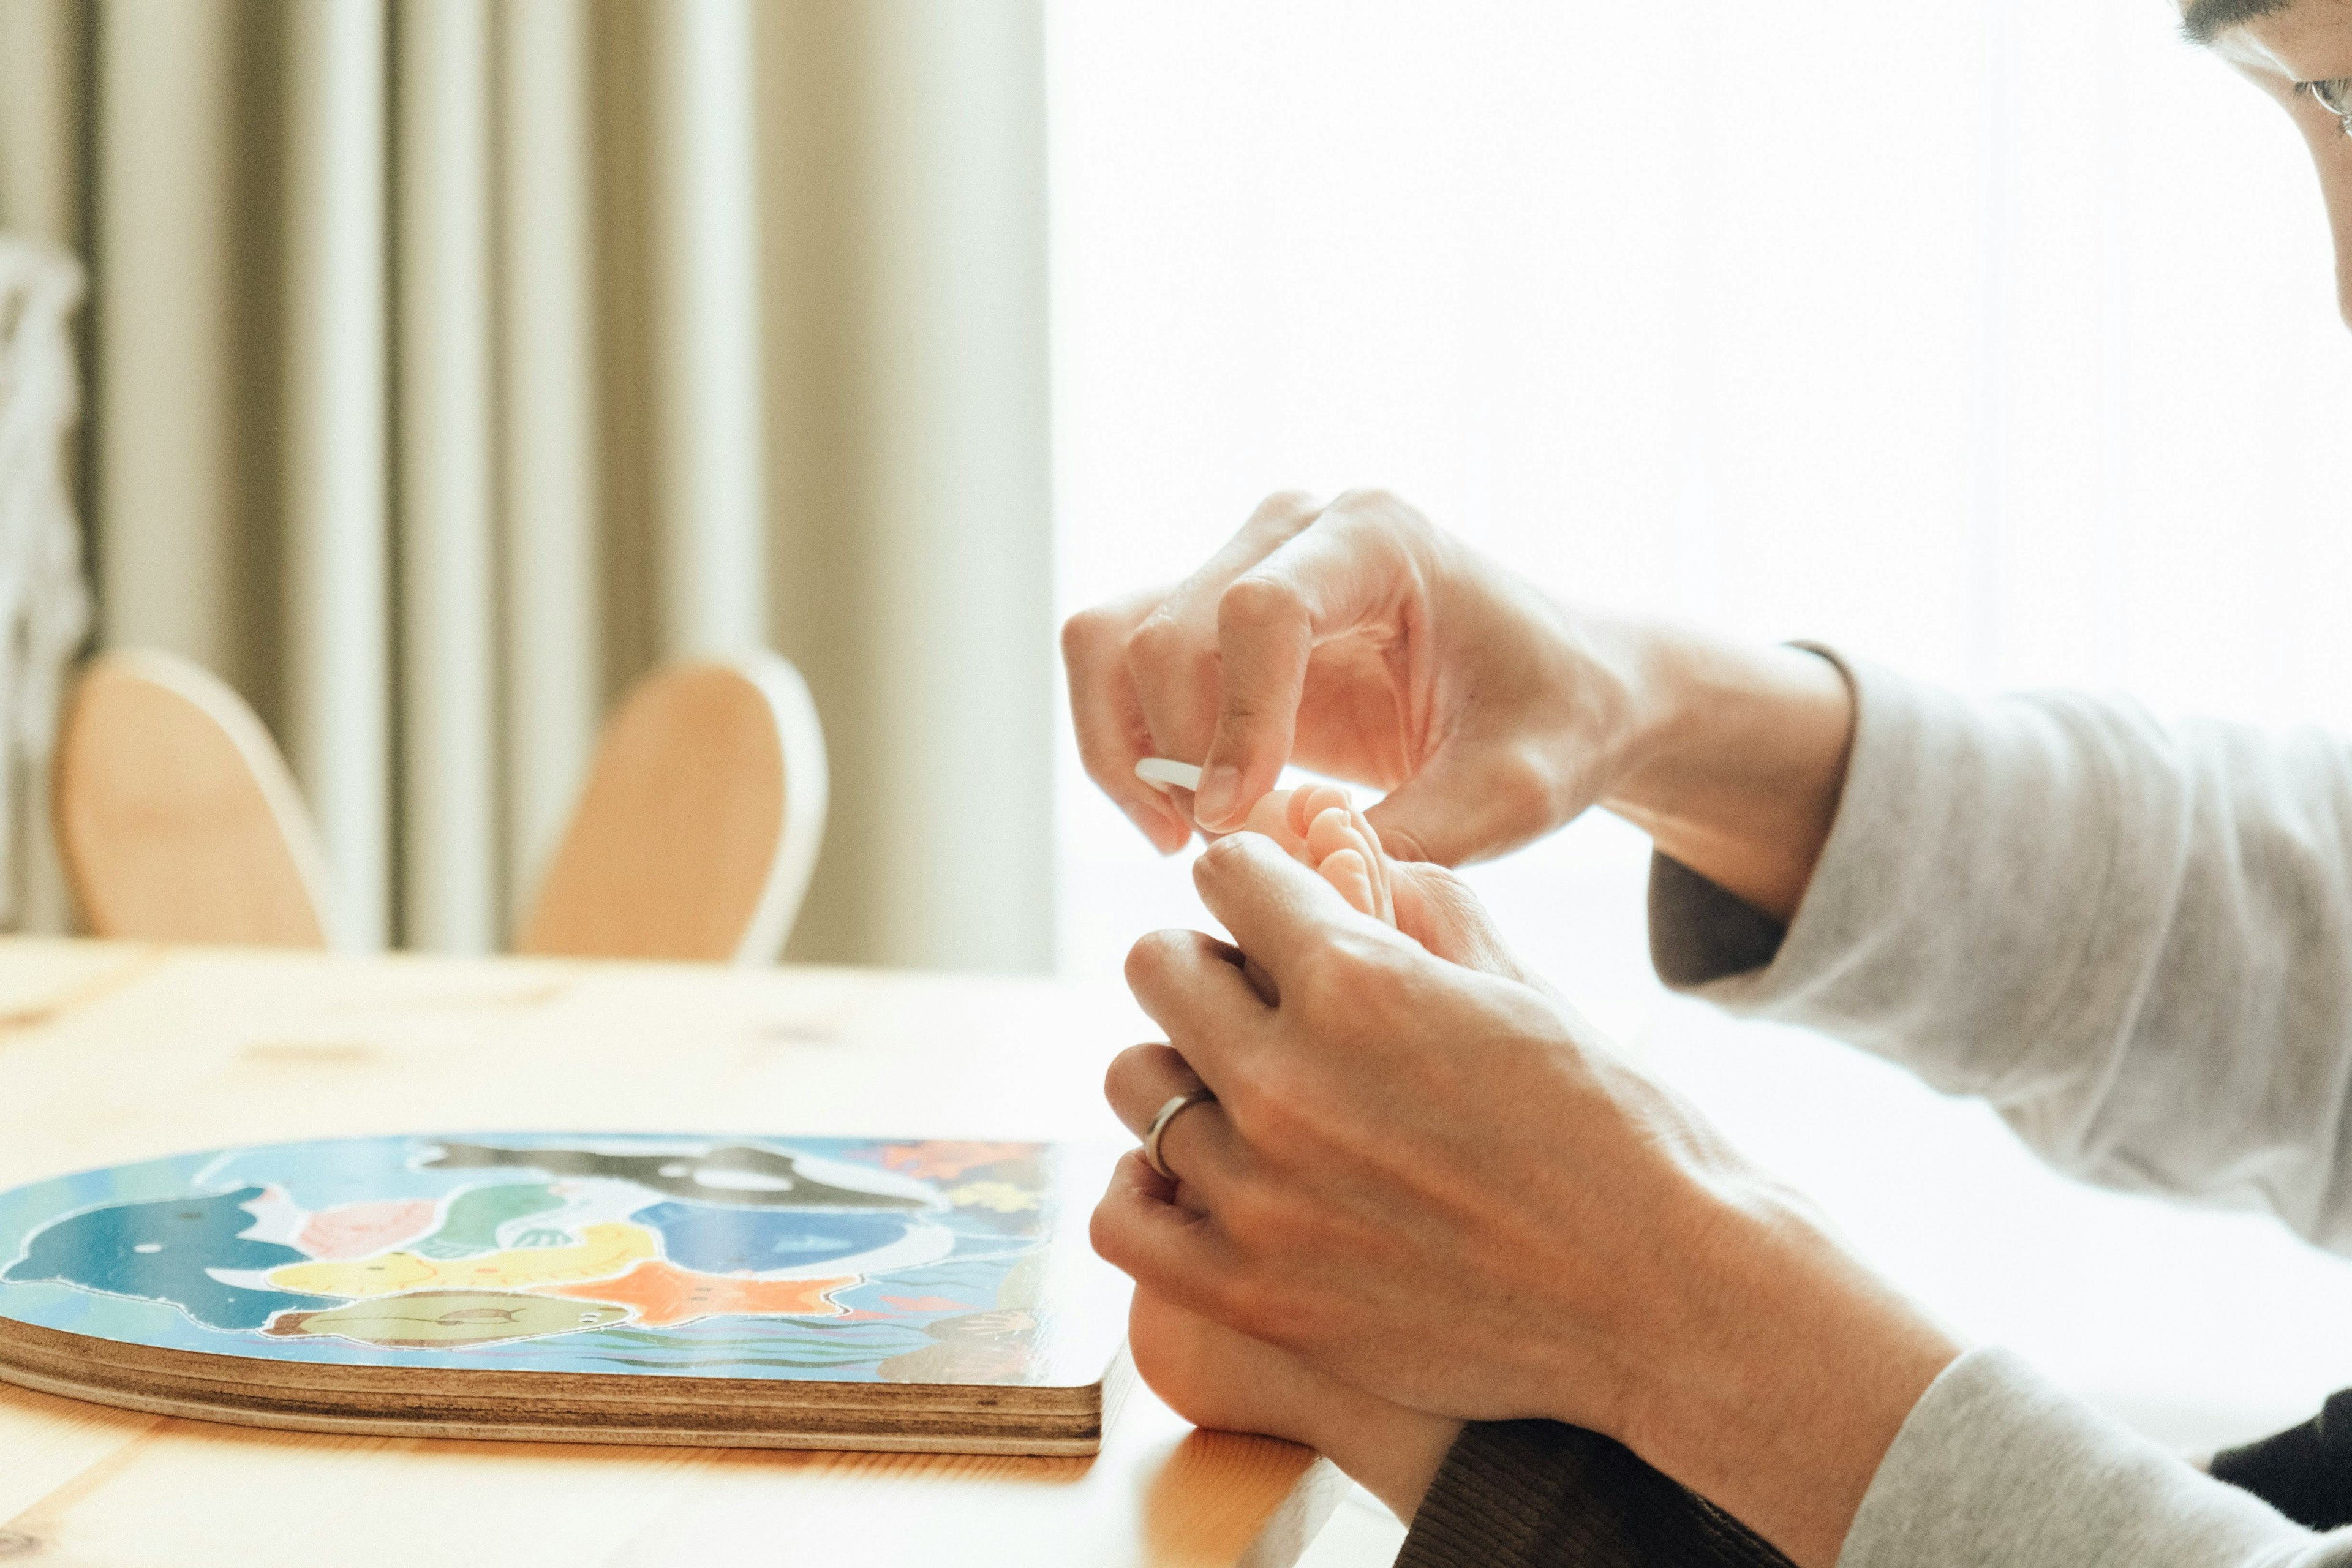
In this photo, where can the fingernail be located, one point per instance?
(1219, 793)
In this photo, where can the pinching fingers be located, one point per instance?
(1111, 731)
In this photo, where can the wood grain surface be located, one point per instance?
(111, 1053)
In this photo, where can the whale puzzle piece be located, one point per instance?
(360, 1230)
(431, 1320)
(736, 1174)
(665, 1295)
(765, 1241)
(476, 1214)
(604, 1251)
(166, 1250)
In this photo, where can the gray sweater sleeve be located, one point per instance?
(1996, 1468)
(2136, 941)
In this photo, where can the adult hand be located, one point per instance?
(1212, 1375)
(1358, 641)
(1444, 1188)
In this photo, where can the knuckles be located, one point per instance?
(1266, 1220)
(1284, 512)
(1348, 980)
(1159, 639)
(1157, 958)
(1386, 510)
(1107, 1235)
(1163, 649)
(1256, 604)
(1087, 635)
(1130, 1078)
(1232, 852)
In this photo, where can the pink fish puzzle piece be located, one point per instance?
(350, 1231)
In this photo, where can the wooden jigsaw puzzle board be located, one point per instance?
(812, 1292)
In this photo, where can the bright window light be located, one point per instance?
(1995, 342)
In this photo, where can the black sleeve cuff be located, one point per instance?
(1520, 1494)
(1699, 933)
(2304, 1472)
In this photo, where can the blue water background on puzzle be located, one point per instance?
(321, 1175)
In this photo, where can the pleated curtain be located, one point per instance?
(449, 362)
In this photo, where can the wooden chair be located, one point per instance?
(176, 818)
(698, 828)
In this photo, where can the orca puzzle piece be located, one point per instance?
(735, 1174)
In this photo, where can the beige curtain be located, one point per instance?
(449, 362)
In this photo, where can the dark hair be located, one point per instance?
(2207, 20)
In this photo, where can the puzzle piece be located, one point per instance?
(665, 1295)
(605, 1250)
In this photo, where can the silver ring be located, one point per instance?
(1168, 1113)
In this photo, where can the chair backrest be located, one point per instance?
(176, 818)
(698, 828)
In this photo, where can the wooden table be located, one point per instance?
(113, 1052)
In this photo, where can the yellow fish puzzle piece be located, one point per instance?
(1003, 1196)
(605, 1250)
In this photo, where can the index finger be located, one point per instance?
(1172, 657)
(1277, 910)
(1196, 988)
(1334, 576)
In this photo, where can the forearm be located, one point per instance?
(1991, 1464)
(1736, 769)
(1776, 1382)
(2111, 928)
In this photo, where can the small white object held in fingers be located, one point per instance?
(1163, 774)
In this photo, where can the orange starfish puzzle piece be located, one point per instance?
(664, 1294)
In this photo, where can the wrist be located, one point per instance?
(1616, 694)
(1394, 1456)
(1786, 1372)
(1739, 772)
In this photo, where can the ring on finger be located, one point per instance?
(1177, 1105)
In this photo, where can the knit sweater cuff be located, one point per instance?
(1516, 1494)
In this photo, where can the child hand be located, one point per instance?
(1321, 828)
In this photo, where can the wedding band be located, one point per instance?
(1168, 1113)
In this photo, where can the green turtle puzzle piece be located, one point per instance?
(476, 1214)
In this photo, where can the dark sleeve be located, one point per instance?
(1523, 1494)
(1699, 933)
(2304, 1472)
